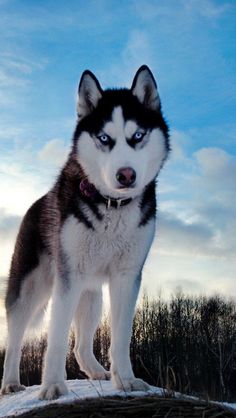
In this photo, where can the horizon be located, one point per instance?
(190, 48)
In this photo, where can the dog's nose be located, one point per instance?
(126, 176)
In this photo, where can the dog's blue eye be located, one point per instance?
(138, 136)
(104, 138)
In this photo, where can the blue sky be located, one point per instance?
(190, 47)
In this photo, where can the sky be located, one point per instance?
(190, 46)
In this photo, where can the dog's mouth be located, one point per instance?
(126, 188)
(123, 192)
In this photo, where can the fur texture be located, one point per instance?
(95, 225)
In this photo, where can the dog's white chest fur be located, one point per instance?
(115, 241)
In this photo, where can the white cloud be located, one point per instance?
(21, 66)
(3, 322)
(181, 238)
(187, 8)
(10, 132)
(9, 80)
(219, 168)
(204, 194)
(168, 273)
(196, 222)
(208, 8)
(54, 152)
(137, 50)
(25, 175)
(14, 72)
(17, 70)
(9, 225)
(19, 185)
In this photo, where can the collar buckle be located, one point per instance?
(108, 203)
(116, 203)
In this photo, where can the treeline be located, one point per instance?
(187, 345)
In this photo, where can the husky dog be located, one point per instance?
(95, 226)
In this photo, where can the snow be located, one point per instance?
(20, 402)
(17, 403)
(229, 405)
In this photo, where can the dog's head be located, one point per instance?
(121, 139)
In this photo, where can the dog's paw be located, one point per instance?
(100, 375)
(131, 385)
(94, 370)
(53, 391)
(12, 388)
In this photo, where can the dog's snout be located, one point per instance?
(126, 176)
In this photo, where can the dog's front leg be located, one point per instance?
(65, 300)
(123, 294)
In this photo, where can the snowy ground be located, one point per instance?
(16, 404)
(20, 402)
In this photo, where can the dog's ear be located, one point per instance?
(144, 87)
(89, 92)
